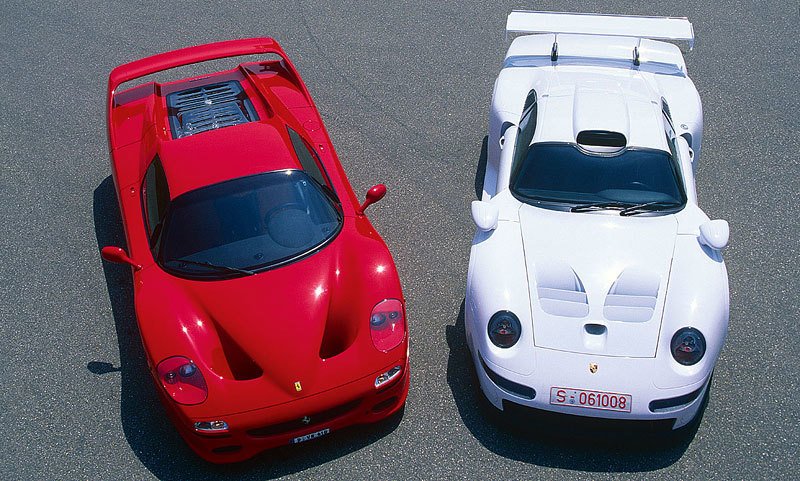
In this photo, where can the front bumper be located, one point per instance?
(254, 431)
(671, 408)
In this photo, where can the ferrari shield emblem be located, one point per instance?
(306, 420)
(297, 386)
(592, 367)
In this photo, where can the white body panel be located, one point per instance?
(595, 287)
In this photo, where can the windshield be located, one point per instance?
(565, 173)
(247, 224)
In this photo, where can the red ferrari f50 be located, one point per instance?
(270, 309)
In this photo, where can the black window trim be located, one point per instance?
(153, 233)
(328, 185)
(674, 150)
(217, 275)
(550, 203)
(529, 117)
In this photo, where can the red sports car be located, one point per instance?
(269, 307)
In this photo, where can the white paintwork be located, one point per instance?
(715, 234)
(485, 215)
(595, 287)
(599, 249)
(657, 28)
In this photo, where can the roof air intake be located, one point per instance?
(208, 107)
(601, 138)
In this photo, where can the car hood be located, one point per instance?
(597, 281)
(258, 336)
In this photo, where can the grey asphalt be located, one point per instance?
(404, 88)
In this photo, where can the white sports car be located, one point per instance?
(596, 284)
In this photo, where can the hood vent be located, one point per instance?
(242, 365)
(632, 297)
(560, 291)
(208, 107)
(339, 335)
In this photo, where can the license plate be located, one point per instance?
(310, 436)
(582, 398)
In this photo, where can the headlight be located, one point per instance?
(211, 427)
(182, 380)
(389, 375)
(688, 346)
(504, 329)
(387, 325)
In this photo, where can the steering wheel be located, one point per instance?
(270, 215)
(289, 225)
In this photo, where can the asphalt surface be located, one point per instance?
(404, 89)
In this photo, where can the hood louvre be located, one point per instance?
(560, 290)
(633, 296)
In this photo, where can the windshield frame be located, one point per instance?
(220, 274)
(566, 205)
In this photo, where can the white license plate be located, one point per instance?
(582, 398)
(310, 436)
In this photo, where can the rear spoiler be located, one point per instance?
(191, 55)
(676, 29)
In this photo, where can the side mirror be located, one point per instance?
(715, 234)
(118, 255)
(374, 194)
(485, 215)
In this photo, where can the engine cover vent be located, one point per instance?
(209, 107)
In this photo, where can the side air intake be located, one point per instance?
(208, 107)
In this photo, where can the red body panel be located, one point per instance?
(254, 337)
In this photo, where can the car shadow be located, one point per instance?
(542, 445)
(480, 172)
(145, 425)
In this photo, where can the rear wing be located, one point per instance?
(674, 29)
(191, 55)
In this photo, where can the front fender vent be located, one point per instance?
(208, 107)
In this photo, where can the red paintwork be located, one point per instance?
(374, 194)
(282, 318)
(118, 255)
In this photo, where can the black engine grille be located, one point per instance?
(208, 107)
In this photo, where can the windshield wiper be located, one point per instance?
(214, 266)
(600, 206)
(648, 207)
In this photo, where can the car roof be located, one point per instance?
(601, 100)
(218, 155)
(187, 124)
(585, 93)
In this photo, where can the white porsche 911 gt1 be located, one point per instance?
(596, 284)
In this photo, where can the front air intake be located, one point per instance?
(208, 107)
